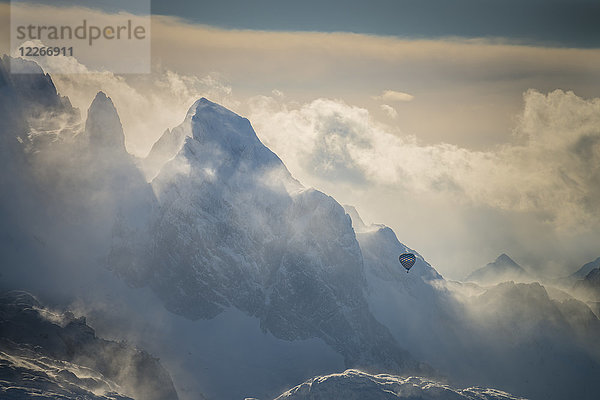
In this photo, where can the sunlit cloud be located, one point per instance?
(393, 96)
(389, 110)
(149, 104)
(332, 139)
(549, 175)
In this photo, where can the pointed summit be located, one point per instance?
(504, 261)
(205, 104)
(103, 127)
(214, 136)
(200, 103)
(214, 123)
(502, 269)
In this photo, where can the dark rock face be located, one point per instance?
(582, 272)
(103, 127)
(35, 89)
(64, 356)
(32, 111)
(589, 287)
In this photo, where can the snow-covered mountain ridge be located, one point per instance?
(250, 236)
(357, 385)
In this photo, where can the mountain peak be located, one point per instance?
(211, 134)
(504, 259)
(30, 85)
(101, 96)
(103, 126)
(586, 268)
(215, 134)
(502, 269)
(203, 106)
(200, 103)
(213, 122)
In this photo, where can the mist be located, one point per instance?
(546, 219)
(461, 207)
(466, 206)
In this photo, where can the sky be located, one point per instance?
(469, 127)
(558, 22)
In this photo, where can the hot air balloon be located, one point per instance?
(407, 260)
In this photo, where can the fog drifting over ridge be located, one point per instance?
(548, 176)
(439, 164)
(544, 217)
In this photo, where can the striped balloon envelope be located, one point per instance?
(407, 260)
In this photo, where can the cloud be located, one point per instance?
(469, 186)
(467, 90)
(555, 171)
(333, 140)
(530, 196)
(389, 110)
(472, 87)
(148, 104)
(391, 95)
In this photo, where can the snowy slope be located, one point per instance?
(169, 144)
(357, 385)
(49, 355)
(412, 305)
(250, 236)
(509, 336)
(226, 357)
(25, 374)
(75, 207)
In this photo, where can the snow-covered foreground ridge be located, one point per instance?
(357, 385)
(224, 265)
